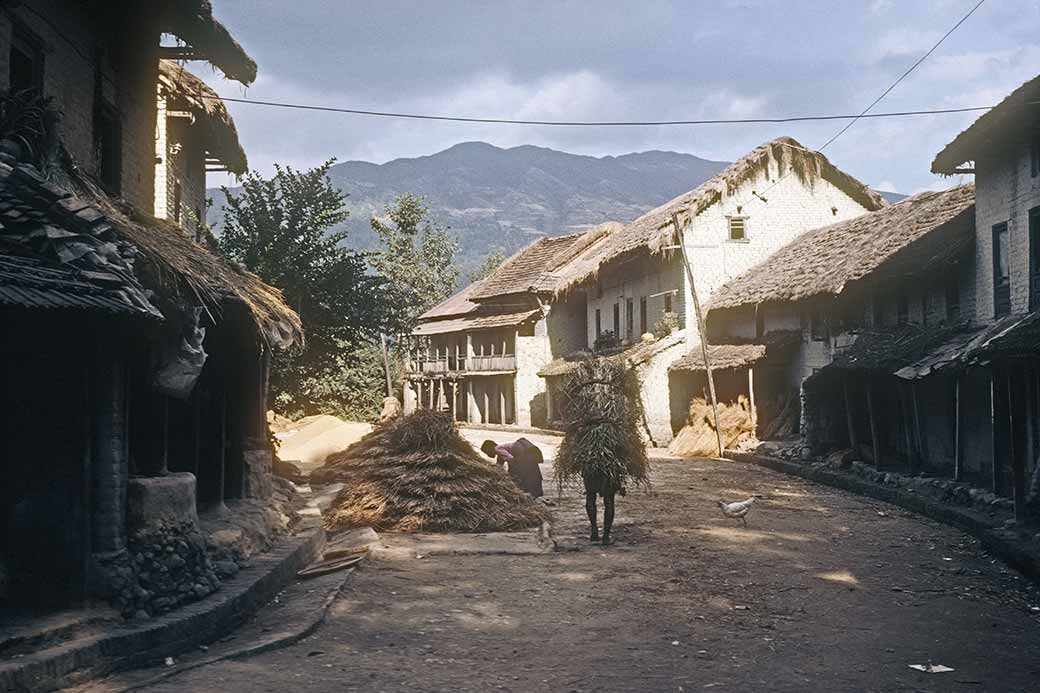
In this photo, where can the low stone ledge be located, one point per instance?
(133, 644)
(1023, 555)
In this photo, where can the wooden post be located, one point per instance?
(904, 415)
(922, 444)
(386, 366)
(1018, 472)
(751, 396)
(1029, 460)
(471, 403)
(849, 420)
(873, 426)
(993, 428)
(701, 330)
(958, 433)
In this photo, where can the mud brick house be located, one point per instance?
(864, 298)
(1002, 150)
(478, 354)
(634, 282)
(132, 394)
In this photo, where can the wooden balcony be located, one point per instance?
(491, 363)
(443, 366)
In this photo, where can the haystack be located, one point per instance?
(417, 474)
(697, 438)
(601, 433)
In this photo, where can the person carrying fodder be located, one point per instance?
(601, 441)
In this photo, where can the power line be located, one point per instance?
(903, 76)
(596, 123)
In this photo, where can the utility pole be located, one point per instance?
(386, 366)
(700, 329)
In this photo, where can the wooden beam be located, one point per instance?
(993, 428)
(905, 420)
(875, 443)
(958, 433)
(751, 396)
(849, 420)
(922, 445)
(1018, 472)
(702, 332)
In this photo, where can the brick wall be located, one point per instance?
(1004, 192)
(75, 54)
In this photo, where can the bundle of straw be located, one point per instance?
(601, 439)
(417, 474)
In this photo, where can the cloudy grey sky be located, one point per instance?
(599, 59)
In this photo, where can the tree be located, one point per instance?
(280, 228)
(491, 262)
(416, 257)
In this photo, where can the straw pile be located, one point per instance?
(417, 474)
(697, 438)
(601, 439)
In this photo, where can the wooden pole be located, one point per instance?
(1029, 462)
(386, 366)
(849, 420)
(1018, 472)
(993, 428)
(751, 395)
(922, 444)
(958, 443)
(904, 411)
(701, 330)
(875, 443)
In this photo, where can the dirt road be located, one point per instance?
(824, 591)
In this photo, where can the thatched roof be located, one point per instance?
(454, 306)
(654, 230)
(911, 235)
(417, 474)
(633, 356)
(738, 355)
(890, 350)
(188, 92)
(544, 266)
(1014, 122)
(192, 21)
(475, 321)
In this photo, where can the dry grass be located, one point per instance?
(417, 474)
(697, 438)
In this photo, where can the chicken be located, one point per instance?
(739, 509)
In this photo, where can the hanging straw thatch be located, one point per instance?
(601, 432)
(417, 474)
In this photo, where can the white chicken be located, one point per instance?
(737, 510)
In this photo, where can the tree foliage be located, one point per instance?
(417, 258)
(280, 228)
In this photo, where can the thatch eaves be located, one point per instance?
(1014, 122)
(740, 353)
(654, 230)
(187, 92)
(193, 22)
(911, 234)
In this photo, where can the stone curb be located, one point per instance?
(273, 642)
(134, 645)
(1017, 553)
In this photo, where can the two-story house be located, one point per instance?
(134, 392)
(869, 299)
(636, 281)
(1002, 150)
(478, 354)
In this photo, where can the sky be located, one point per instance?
(607, 60)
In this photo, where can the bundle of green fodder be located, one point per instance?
(602, 439)
(417, 474)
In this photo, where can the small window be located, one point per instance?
(599, 324)
(25, 65)
(738, 228)
(1034, 258)
(668, 303)
(760, 320)
(879, 310)
(903, 310)
(108, 147)
(1034, 159)
(630, 318)
(1001, 271)
(642, 316)
(617, 319)
(177, 202)
(817, 326)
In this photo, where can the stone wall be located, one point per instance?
(533, 352)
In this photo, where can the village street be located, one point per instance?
(823, 591)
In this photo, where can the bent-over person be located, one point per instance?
(523, 458)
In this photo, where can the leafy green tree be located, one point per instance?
(280, 228)
(491, 262)
(417, 258)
